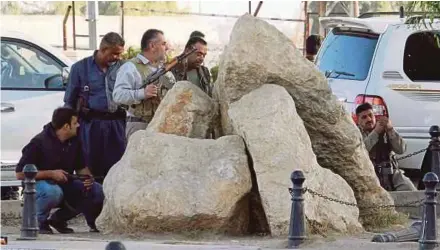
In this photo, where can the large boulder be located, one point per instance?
(174, 183)
(186, 111)
(278, 144)
(259, 54)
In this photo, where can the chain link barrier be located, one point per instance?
(416, 203)
(411, 155)
(352, 204)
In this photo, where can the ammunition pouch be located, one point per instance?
(144, 110)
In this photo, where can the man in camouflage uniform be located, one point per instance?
(143, 102)
(382, 142)
(192, 68)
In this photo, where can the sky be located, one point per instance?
(272, 8)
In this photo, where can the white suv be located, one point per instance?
(391, 64)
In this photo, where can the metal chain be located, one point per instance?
(411, 155)
(408, 204)
(314, 193)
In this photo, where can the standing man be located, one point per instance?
(57, 153)
(197, 33)
(382, 142)
(143, 102)
(192, 68)
(89, 90)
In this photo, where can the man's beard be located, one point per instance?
(368, 127)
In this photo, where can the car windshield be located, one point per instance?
(347, 54)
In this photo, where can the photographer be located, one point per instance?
(382, 142)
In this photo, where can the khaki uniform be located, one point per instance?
(145, 110)
(201, 78)
(381, 150)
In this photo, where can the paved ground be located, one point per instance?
(74, 244)
(81, 239)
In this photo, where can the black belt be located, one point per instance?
(89, 114)
(135, 119)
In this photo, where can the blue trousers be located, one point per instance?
(51, 195)
(103, 143)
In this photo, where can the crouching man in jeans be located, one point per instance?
(56, 152)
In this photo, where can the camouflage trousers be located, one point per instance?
(132, 127)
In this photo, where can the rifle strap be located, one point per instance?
(85, 88)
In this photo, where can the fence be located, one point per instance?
(167, 12)
(425, 231)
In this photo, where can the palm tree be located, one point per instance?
(430, 8)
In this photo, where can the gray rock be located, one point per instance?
(173, 183)
(260, 54)
(279, 144)
(186, 111)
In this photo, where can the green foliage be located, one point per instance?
(61, 7)
(133, 51)
(141, 8)
(381, 219)
(132, 8)
(429, 7)
(10, 8)
(130, 53)
(380, 6)
(214, 73)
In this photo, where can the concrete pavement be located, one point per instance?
(344, 244)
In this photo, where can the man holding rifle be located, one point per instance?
(143, 102)
(56, 152)
(192, 69)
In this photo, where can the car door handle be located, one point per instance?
(7, 107)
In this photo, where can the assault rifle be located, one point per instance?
(153, 77)
(81, 177)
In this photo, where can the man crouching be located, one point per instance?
(56, 152)
(382, 142)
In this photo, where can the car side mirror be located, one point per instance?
(65, 75)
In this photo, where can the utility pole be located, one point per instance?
(355, 8)
(122, 19)
(92, 18)
(322, 13)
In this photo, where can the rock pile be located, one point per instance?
(272, 113)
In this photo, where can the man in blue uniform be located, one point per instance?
(89, 91)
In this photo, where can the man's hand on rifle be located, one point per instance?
(88, 183)
(60, 176)
(150, 91)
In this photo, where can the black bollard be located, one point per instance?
(428, 239)
(434, 147)
(115, 245)
(297, 228)
(29, 227)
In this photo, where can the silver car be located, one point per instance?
(33, 77)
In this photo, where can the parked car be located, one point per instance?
(393, 65)
(33, 77)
